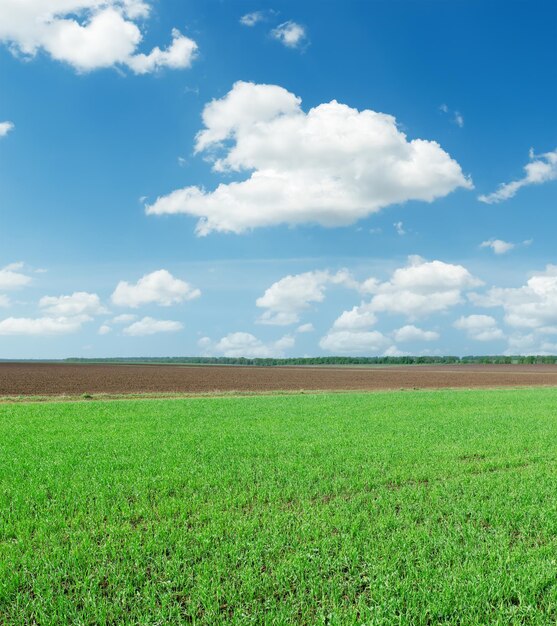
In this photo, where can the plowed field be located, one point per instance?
(69, 379)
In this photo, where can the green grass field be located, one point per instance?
(402, 508)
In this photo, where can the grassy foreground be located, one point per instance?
(402, 508)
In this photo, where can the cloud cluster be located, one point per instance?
(357, 342)
(480, 327)
(61, 315)
(541, 169)
(89, 34)
(287, 298)
(66, 314)
(241, 344)
(158, 287)
(416, 290)
(532, 306)
(332, 165)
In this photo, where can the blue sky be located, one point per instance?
(344, 160)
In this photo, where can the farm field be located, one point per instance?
(414, 507)
(50, 379)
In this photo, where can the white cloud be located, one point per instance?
(305, 328)
(530, 343)
(79, 303)
(394, 351)
(253, 18)
(457, 117)
(41, 326)
(11, 277)
(286, 299)
(480, 327)
(158, 287)
(5, 128)
(357, 318)
(4, 301)
(331, 166)
(416, 290)
(246, 345)
(541, 169)
(498, 245)
(421, 288)
(534, 305)
(399, 227)
(290, 34)
(151, 326)
(125, 318)
(179, 55)
(368, 343)
(105, 329)
(413, 333)
(88, 34)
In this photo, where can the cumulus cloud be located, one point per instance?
(253, 18)
(105, 329)
(421, 288)
(305, 328)
(534, 305)
(5, 128)
(541, 169)
(151, 326)
(529, 343)
(480, 327)
(418, 289)
(413, 333)
(354, 342)
(357, 318)
(41, 325)
(286, 299)
(158, 287)
(241, 344)
(125, 318)
(332, 165)
(498, 245)
(399, 227)
(78, 303)
(178, 55)
(11, 277)
(88, 34)
(290, 34)
(394, 351)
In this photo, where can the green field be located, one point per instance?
(402, 508)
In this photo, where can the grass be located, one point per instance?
(394, 508)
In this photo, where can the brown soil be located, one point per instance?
(45, 379)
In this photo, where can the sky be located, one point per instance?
(268, 179)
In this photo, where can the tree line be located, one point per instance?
(329, 360)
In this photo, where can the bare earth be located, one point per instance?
(47, 379)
